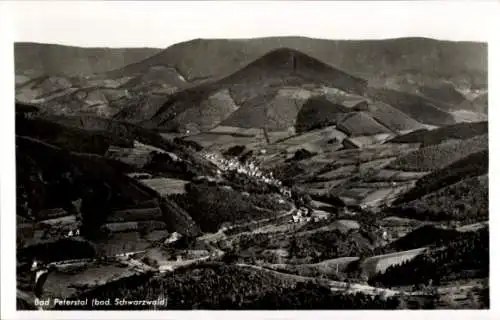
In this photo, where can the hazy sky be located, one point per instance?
(160, 24)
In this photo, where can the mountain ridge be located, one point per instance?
(357, 57)
(256, 84)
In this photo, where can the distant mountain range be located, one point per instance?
(217, 58)
(40, 59)
(201, 84)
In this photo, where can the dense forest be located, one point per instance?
(324, 245)
(431, 137)
(318, 113)
(211, 206)
(460, 258)
(473, 165)
(439, 156)
(465, 201)
(228, 287)
(424, 236)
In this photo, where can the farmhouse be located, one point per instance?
(301, 215)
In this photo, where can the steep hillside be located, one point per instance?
(459, 131)
(50, 177)
(98, 101)
(466, 201)
(424, 236)
(392, 118)
(138, 107)
(157, 76)
(37, 59)
(71, 139)
(59, 164)
(360, 124)
(42, 88)
(192, 165)
(209, 58)
(460, 259)
(472, 165)
(270, 90)
(318, 112)
(445, 93)
(438, 156)
(417, 107)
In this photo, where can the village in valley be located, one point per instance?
(288, 177)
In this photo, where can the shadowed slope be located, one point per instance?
(459, 131)
(417, 107)
(317, 113)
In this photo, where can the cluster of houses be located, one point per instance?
(73, 233)
(301, 215)
(304, 214)
(249, 169)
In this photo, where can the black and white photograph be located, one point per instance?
(248, 156)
